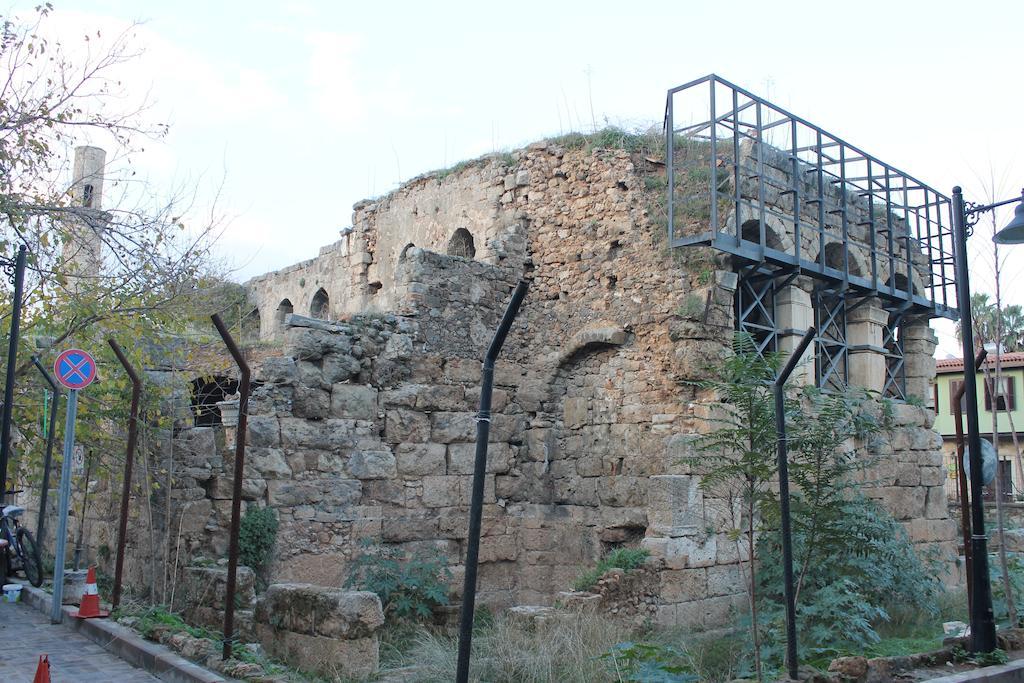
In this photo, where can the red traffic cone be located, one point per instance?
(90, 605)
(43, 670)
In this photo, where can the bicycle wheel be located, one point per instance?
(31, 562)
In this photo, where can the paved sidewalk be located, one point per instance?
(26, 633)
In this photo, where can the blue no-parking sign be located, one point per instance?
(75, 369)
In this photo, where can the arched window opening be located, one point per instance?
(284, 309)
(87, 194)
(206, 393)
(751, 232)
(834, 259)
(321, 304)
(461, 244)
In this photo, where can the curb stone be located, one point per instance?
(1006, 673)
(125, 643)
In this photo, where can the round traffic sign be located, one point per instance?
(75, 369)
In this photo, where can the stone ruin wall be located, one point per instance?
(364, 427)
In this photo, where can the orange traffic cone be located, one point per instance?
(90, 605)
(43, 670)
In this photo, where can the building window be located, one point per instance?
(935, 397)
(954, 386)
(87, 193)
(1005, 398)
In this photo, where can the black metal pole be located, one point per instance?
(126, 488)
(48, 459)
(12, 361)
(483, 429)
(789, 594)
(236, 492)
(983, 625)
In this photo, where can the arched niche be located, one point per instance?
(462, 244)
(320, 306)
(284, 309)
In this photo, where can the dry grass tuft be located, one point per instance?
(565, 649)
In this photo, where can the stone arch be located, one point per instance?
(320, 306)
(404, 254)
(899, 280)
(776, 236)
(284, 309)
(462, 244)
(834, 258)
(596, 334)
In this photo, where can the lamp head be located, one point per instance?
(1013, 233)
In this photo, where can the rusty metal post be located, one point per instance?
(126, 488)
(48, 459)
(961, 476)
(236, 493)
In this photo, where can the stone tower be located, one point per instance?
(83, 249)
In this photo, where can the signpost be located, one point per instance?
(76, 370)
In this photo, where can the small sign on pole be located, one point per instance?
(76, 370)
(78, 459)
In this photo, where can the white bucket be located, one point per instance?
(12, 592)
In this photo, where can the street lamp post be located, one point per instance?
(983, 627)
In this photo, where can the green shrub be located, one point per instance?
(869, 567)
(409, 586)
(256, 536)
(620, 558)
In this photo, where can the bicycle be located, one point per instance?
(22, 552)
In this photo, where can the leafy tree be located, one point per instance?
(851, 559)
(737, 458)
(148, 279)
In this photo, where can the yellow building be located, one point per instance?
(1006, 402)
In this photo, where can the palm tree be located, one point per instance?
(983, 319)
(1013, 328)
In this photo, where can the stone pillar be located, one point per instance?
(919, 342)
(793, 315)
(864, 328)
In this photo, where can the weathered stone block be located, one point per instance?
(402, 425)
(324, 630)
(263, 431)
(675, 503)
(202, 594)
(449, 427)
(268, 462)
(372, 465)
(451, 491)
(441, 397)
(354, 401)
(277, 370)
(339, 367)
(623, 491)
(417, 460)
(311, 402)
(462, 456)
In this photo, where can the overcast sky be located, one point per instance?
(294, 110)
